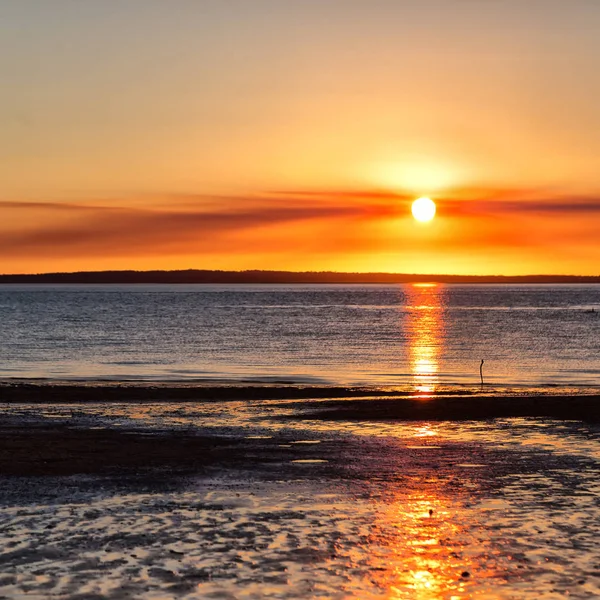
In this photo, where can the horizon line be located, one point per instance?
(254, 276)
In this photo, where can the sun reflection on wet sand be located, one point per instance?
(425, 430)
(426, 546)
(424, 323)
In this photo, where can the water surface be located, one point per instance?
(422, 335)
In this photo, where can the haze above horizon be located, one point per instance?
(295, 136)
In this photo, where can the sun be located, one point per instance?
(423, 209)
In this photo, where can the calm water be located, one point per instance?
(421, 335)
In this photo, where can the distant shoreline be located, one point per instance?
(195, 276)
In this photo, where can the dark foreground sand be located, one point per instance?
(169, 492)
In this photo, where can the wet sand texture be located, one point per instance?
(344, 403)
(295, 499)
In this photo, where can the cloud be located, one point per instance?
(319, 221)
(572, 206)
(526, 205)
(114, 231)
(479, 200)
(352, 195)
(49, 206)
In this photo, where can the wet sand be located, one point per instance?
(459, 403)
(286, 498)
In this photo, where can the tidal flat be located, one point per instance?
(288, 497)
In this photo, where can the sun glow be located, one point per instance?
(423, 209)
(415, 177)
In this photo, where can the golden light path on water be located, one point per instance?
(424, 326)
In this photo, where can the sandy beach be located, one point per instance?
(132, 491)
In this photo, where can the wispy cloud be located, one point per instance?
(562, 206)
(320, 221)
(115, 230)
(478, 200)
(512, 204)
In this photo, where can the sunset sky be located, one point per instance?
(294, 134)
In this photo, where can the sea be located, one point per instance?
(422, 336)
(259, 498)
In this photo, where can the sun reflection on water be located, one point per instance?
(425, 334)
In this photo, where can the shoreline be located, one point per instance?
(329, 402)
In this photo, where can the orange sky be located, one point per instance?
(275, 135)
(316, 231)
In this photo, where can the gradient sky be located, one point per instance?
(293, 134)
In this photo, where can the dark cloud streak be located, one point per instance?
(196, 223)
(104, 231)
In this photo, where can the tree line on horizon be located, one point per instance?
(190, 276)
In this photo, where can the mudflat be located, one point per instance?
(269, 494)
(338, 402)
